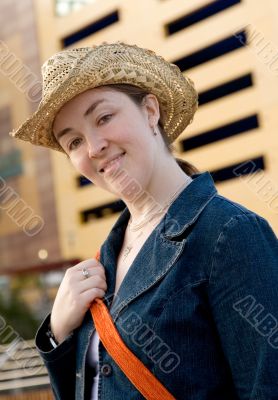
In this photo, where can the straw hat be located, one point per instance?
(73, 71)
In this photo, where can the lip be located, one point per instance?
(104, 167)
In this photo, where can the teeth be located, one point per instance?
(112, 162)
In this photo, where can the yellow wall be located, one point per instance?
(142, 23)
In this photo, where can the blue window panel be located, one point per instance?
(226, 89)
(246, 167)
(216, 50)
(199, 15)
(91, 29)
(220, 133)
(102, 211)
(82, 181)
(11, 164)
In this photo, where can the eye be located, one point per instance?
(105, 118)
(74, 144)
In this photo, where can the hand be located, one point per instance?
(75, 295)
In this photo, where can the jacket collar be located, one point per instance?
(147, 268)
(189, 204)
(185, 209)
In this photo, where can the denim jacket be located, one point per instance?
(198, 306)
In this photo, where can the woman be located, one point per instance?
(190, 277)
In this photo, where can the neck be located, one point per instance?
(164, 186)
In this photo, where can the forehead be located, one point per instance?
(102, 92)
(100, 95)
(86, 102)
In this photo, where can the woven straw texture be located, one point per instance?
(73, 71)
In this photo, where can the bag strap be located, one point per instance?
(147, 384)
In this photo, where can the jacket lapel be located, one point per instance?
(146, 269)
(160, 251)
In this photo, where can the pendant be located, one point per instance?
(127, 251)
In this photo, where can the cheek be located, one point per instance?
(141, 167)
(78, 163)
(84, 167)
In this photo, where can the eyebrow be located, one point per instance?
(86, 113)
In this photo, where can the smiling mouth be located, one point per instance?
(111, 163)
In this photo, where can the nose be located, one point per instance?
(96, 146)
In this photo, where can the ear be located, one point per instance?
(151, 106)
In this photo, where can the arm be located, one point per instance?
(73, 299)
(243, 294)
(60, 362)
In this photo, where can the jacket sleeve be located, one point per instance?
(243, 293)
(60, 362)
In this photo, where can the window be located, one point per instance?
(64, 7)
(82, 181)
(91, 29)
(226, 89)
(239, 169)
(199, 15)
(102, 211)
(220, 133)
(213, 51)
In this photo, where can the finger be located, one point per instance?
(76, 272)
(91, 262)
(96, 281)
(91, 294)
(94, 271)
(91, 265)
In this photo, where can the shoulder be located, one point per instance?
(227, 214)
(233, 232)
(230, 209)
(244, 238)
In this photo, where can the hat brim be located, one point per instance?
(176, 94)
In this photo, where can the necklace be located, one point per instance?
(139, 225)
(135, 227)
(129, 247)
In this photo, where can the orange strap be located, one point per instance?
(147, 384)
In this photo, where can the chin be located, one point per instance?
(126, 186)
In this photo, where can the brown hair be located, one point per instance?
(137, 95)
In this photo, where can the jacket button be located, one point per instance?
(106, 370)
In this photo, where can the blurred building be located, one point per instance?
(28, 220)
(227, 47)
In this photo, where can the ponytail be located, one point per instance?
(188, 168)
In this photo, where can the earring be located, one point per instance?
(154, 132)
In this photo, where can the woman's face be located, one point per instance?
(102, 124)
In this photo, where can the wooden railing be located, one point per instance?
(29, 395)
(23, 375)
